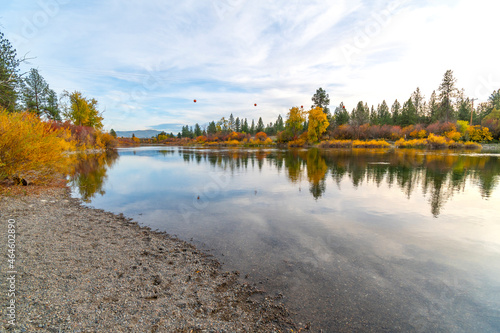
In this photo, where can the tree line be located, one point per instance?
(30, 92)
(447, 104)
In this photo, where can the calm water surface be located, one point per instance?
(354, 240)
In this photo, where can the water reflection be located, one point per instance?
(356, 240)
(438, 175)
(90, 174)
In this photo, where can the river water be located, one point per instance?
(352, 240)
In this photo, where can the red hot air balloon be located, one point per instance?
(302, 106)
(194, 101)
(255, 104)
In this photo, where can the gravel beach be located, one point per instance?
(79, 269)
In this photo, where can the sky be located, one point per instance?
(147, 61)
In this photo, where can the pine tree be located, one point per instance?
(244, 126)
(112, 132)
(260, 125)
(237, 125)
(418, 102)
(230, 123)
(384, 115)
(434, 109)
(322, 100)
(408, 114)
(373, 117)
(9, 78)
(361, 114)
(447, 93)
(341, 115)
(197, 130)
(396, 113)
(252, 128)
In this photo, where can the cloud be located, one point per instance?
(146, 62)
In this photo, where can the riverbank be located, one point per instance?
(86, 270)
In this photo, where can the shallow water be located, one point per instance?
(354, 240)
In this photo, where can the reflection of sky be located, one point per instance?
(371, 240)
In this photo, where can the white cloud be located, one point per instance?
(146, 62)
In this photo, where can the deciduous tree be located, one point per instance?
(317, 125)
(82, 111)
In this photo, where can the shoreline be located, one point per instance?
(82, 269)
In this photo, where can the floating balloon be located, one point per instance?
(302, 106)
(343, 106)
(255, 104)
(194, 101)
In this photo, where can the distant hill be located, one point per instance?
(138, 133)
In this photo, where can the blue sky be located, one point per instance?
(146, 61)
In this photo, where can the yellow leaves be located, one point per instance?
(318, 123)
(479, 134)
(82, 111)
(295, 119)
(31, 146)
(453, 135)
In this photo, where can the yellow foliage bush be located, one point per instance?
(472, 145)
(436, 142)
(453, 135)
(415, 143)
(29, 146)
(479, 134)
(370, 144)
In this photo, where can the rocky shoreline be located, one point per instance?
(79, 269)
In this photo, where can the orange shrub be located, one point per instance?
(261, 136)
(31, 146)
(453, 135)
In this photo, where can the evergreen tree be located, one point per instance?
(341, 115)
(197, 130)
(211, 129)
(51, 109)
(434, 109)
(9, 78)
(373, 117)
(408, 114)
(396, 113)
(361, 114)
(384, 115)
(244, 126)
(447, 93)
(113, 133)
(418, 102)
(252, 128)
(260, 125)
(230, 123)
(280, 124)
(237, 125)
(322, 100)
(35, 92)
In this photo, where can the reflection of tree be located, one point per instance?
(90, 173)
(438, 174)
(293, 164)
(316, 172)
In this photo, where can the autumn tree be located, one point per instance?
(82, 111)
(447, 93)
(317, 124)
(321, 100)
(295, 120)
